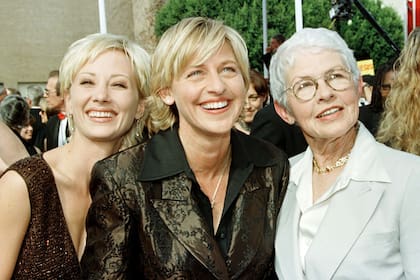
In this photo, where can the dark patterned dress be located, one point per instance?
(47, 250)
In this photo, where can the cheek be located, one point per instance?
(259, 104)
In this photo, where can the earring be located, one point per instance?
(138, 128)
(71, 122)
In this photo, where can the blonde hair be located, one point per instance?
(399, 127)
(198, 38)
(88, 49)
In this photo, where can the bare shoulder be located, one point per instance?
(14, 197)
(13, 186)
(14, 219)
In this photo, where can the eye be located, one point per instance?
(253, 97)
(86, 82)
(229, 69)
(302, 84)
(337, 74)
(120, 85)
(194, 73)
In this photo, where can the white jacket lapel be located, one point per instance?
(343, 223)
(287, 261)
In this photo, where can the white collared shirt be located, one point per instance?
(62, 135)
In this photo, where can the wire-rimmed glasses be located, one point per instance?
(338, 79)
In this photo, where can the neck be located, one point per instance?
(333, 152)
(205, 154)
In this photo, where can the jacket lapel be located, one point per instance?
(245, 239)
(180, 214)
(287, 255)
(336, 236)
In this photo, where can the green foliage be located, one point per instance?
(246, 17)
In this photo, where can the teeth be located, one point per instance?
(329, 112)
(97, 114)
(215, 105)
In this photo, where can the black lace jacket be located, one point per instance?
(145, 222)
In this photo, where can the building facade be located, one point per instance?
(36, 34)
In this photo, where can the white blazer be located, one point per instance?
(371, 229)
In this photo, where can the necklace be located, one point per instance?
(219, 181)
(340, 162)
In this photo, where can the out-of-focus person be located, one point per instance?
(11, 147)
(400, 124)
(256, 97)
(15, 113)
(370, 115)
(34, 94)
(275, 42)
(368, 82)
(57, 130)
(44, 199)
(351, 209)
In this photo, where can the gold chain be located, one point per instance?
(340, 162)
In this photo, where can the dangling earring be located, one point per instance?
(71, 122)
(138, 128)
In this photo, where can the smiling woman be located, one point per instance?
(195, 200)
(345, 183)
(44, 199)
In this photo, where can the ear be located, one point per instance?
(166, 96)
(140, 109)
(360, 87)
(283, 113)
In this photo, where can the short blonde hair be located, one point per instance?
(88, 49)
(190, 38)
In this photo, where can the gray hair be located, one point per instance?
(307, 40)
(35, 93)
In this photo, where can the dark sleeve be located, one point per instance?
(266, 58)
(108, 228)
(284, 182)
(267, 126)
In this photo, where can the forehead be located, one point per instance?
(388, 77)
(314, 63)
(225, 51)
(51, 82)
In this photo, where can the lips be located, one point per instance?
(329, 112)
(214, 105)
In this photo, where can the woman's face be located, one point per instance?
(209, 96)
(387, 81)
(26, 132)
(103, 98)
(253, 103)
(331, 113)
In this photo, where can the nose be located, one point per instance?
(323, 91)
(100, 93)
(215, 83)
(247, 103)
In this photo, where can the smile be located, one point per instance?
(329, 112)
(215, 105)
(100, 114)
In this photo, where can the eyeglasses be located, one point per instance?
(338, 79)
(47, 92)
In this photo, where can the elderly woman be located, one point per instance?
(351, 210)
(199, 200)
